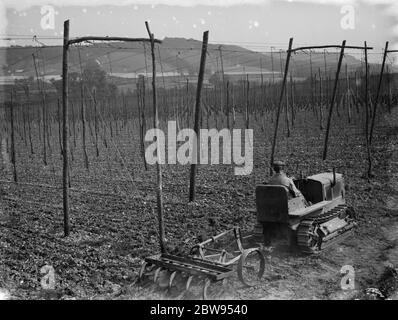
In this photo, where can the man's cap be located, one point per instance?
(279, 163)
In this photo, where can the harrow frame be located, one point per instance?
(212, 268)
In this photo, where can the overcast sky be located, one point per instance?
(257, 24)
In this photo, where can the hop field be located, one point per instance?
(114, 223)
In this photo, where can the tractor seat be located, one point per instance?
(272, 203)
(290, 193)
(294, 203)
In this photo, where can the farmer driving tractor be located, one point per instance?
(281, 179)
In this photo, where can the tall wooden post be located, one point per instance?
(39, 87)
(273, 80)
(227, 105)
(348, 100)
(312, 83)
(369, 172)
(83, 113)
(141, 116)
(292, 98)
(187, 104)
(159, 193)
(326, 75)
(223, 82)
(389, 90)
(272, 67)
(366, 94)
(320, 100)
(378, 92)
(13, 158)
(29, 120)
(261, 84)
(192, 182)
(278, 112)
(336, 80)
(247, 106)
(65, 149)
(287, 112)
(59, 127)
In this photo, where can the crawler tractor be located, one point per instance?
(311, 224)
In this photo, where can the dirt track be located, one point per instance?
(112, 233)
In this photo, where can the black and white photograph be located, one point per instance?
(176, 150)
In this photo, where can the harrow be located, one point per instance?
(209, 264)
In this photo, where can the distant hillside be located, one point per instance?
(178, 56)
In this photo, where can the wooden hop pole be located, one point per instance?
(366, 94)
(65, 149)
(39, 87)
(83, 113)
(336, 80)
(320, 101)
(247, 106)
(159, 195)
(13, 158)
(278, 112)
(369, 172)
(378, 93)
(223, 81)
(192, 184)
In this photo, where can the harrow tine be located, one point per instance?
(172, 276)
(142, 269)
(156, 275)
(206, 285)
(188, 284)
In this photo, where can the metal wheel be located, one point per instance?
(251, 266)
